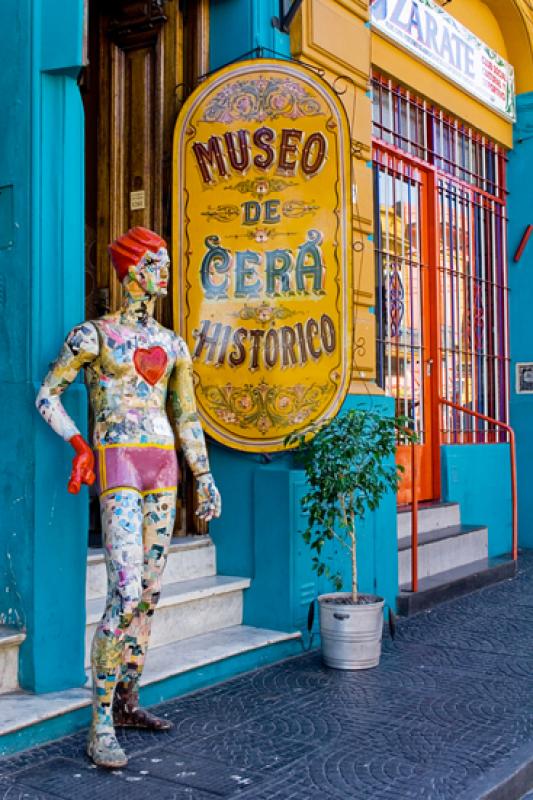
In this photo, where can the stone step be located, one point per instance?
(441, 550)
(20, 710)
(10, 641)
(430, 518)
(186, 609)
(189, 557)
(198, 651)
(454, 583)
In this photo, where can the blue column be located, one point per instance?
(44, 539)
(16, 420)
(520, 215)
(239, 26)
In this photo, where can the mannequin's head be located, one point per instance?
(141, 262)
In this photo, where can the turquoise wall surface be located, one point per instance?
(43, 538)
(260, 535)
(478, 477)
(16, 423)
(247, 25)
(520, 215)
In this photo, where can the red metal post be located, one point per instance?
(523, 242)
(414, 521)
(514, 493)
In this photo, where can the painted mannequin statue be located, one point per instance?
(130, 360)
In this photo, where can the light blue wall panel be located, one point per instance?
(16, 420)
(60, 519)
(240, 26)
(478, 477)
(260, 535)
(520, 215)
(44, 536)
(61, 46)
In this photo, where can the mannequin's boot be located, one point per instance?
(128, 714)
(103, 748)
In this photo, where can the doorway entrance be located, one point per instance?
(441, 277)
(404, 347)
(143, 61)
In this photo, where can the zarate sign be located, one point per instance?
(262, 250)
(438, 39)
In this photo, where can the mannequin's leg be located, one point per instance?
(122, 526)
(159, 514)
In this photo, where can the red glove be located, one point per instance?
(82, 465)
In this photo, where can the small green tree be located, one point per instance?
(349, 468)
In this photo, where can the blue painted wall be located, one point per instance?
(260, 535)
(43, 538)
(239, 26)
(520, 213)
(16, 423)
(479, 478)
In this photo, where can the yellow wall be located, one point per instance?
(334, 36)
(515, 19)
(476, 15)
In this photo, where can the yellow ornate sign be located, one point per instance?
(262, 238)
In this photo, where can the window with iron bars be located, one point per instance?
(467, 258)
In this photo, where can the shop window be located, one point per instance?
(440, 194)
(422, 130)
(472, 310)
(400, 333)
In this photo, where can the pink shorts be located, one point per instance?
(147, 469)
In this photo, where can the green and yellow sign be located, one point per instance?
(262, 238)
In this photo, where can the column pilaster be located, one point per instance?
(334, 36)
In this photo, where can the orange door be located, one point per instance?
(405, 311)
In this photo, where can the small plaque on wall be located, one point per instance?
(524, 378)
(137, 201)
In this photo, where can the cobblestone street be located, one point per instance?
(446, 716)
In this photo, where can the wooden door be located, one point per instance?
(145, 57)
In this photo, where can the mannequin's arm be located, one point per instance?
(80, 348)
(191, 434)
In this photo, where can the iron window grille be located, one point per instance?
(467, 258)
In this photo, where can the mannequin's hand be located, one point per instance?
(82, 465)
(208, 498)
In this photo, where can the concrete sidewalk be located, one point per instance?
(446, 716)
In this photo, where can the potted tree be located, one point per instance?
(349, 466)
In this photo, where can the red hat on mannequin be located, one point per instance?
(128, 249)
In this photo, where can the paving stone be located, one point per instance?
(11, 791)
(450, 701)
(73, 780)
(72, 747)
(244, 751)
(201, 773)
(340, 776)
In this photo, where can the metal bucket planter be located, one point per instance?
(351, 634)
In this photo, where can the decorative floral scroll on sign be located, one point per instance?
(262, 248)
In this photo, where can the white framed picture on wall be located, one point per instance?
(524, 377)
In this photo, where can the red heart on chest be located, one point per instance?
(150, 364)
